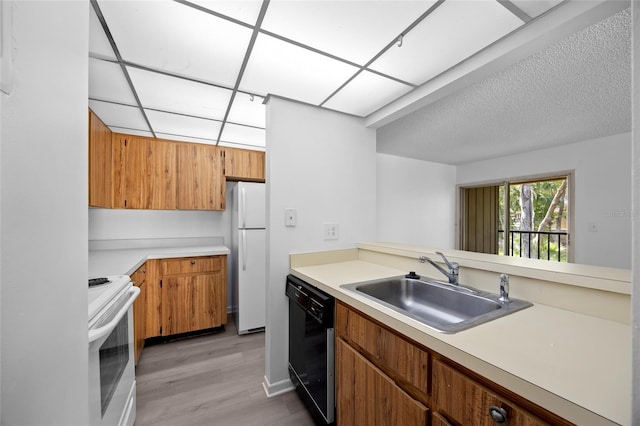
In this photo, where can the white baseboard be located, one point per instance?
(278, 388)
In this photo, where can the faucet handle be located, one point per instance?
(453, 266)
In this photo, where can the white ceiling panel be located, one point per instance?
(108, 83)
(117, 129)
(173, 37)
(243, 135)
(366, 93)
(174, 124)
(118, 115)
(158, 91)
(535, 8)
(185, 138)
(352, 30)
(454, 31)
(247, 111)
(283, 69)
(98, 42)
(243, 10)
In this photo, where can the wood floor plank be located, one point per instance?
(214, 379)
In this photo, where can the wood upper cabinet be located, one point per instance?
(100, 163)
(138, 279)
(468, 403)
(200, 185)
(187, 294)
(144, 173)
(242, 164)
(366, 396)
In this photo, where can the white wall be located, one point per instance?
(115, 224)
(43, 197)
(415, 202)
(635, 396)
(602, 191)
(323, 164)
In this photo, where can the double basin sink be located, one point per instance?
(441, 306)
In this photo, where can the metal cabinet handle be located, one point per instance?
(193, 262)
(498, 414)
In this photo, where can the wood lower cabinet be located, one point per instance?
(466, 402)
(187, 294)
(366, 396)
(138, 279)
(369, 355)
(243, 164)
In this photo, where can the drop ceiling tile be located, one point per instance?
(243, 135)
(98, 42)
(173, 37)
(116, 129)
(117, 115)
(535, 8)
(108, 83)
(243, 10)
(246, 111)
(366, 93)
(185, 139)
(182, 125)
(159, 91)
(352, 30)
(283, 69)
(236, 145)
(454, 31)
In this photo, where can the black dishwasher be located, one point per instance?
(311, 348)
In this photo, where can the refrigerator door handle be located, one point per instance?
(244, 250)
(243, 206)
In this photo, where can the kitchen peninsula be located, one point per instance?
(567, 356)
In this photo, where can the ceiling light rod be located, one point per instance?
(245, 61)
(107, 32)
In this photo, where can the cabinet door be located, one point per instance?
(469, 403)
(366, 396)
(144, 174)
(244, 164)
(192, 302)
(201, 185)
(100, 163)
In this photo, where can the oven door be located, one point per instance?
(111, 364)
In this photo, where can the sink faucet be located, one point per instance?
(504, 288)
(452, 274)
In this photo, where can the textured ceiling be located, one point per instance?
(198, 70)
(574, 90)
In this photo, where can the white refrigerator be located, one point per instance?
(249, 265)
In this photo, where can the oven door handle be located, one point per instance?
(97, 333)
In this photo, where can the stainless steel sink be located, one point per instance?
(441, 306)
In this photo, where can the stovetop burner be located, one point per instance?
(98, 281)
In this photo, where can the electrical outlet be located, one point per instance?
(330, 231)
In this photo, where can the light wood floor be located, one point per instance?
(211, 380)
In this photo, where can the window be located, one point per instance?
(525, 218)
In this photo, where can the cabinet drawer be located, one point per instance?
(401, 359)
(467, 402)
(191, 265)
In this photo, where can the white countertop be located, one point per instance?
(126, 261)
(574, 365)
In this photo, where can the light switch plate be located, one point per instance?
(290, 217)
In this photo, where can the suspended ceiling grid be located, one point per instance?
(199, 71)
